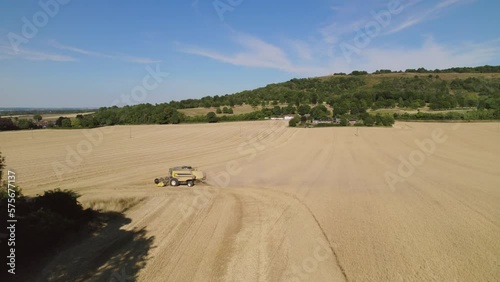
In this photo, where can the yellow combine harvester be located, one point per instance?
(178, 175)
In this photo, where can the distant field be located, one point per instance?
(203, 111)
(424, 110)
(237, 109)
(444, 76)
(248, 109)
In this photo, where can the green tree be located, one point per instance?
(320, 113)
(354, 110)
(66, 123)
(76, 123)
(401, 102)
(344, 121)
(37, 117)
(254, 103)
(341, 109)
(496, 113)
(304, 109)
(225, 110)
(7, 124)
(230, 111)
(314, 98)
(218, 110)
(290, 109)
(59, 121)
(175, 118)
(368, 120)
(296, 100)
(303, 119)
(212, 117)
(25, 124)
(277, 110)
(387, 120)
(358, 72)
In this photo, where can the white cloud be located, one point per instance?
(446, 3)
(355, 16)
(73, 49)
(6, 52)
(333, 32)
(255, 53)
(417, 17)
(406, 24)
(121, 57)
(137, 60)
(302, 48)
(431, 55)
(347, 23)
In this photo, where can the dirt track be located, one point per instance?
(282, 204)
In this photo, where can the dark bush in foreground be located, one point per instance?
(64, 203)
(43, 223)
(52, 235)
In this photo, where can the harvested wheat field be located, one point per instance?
(416, 202)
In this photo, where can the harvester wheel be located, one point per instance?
(190, 183)
(174, 182)
(157, 180)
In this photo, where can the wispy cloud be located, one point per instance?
(6, 52)
(430, 55)
(121, 57)
(418, 17)
(349, 22)
(255, 53)
(446, 3)
(322, 54)
(303, 49)
(333, 32)
(73, 49)
(353, 17)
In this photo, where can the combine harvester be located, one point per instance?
(185, 175)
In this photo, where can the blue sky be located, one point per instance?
(94, 52)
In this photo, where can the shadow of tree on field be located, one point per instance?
(109, 254)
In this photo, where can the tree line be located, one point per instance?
(480, 69)
(350, 96)
(359, 91)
